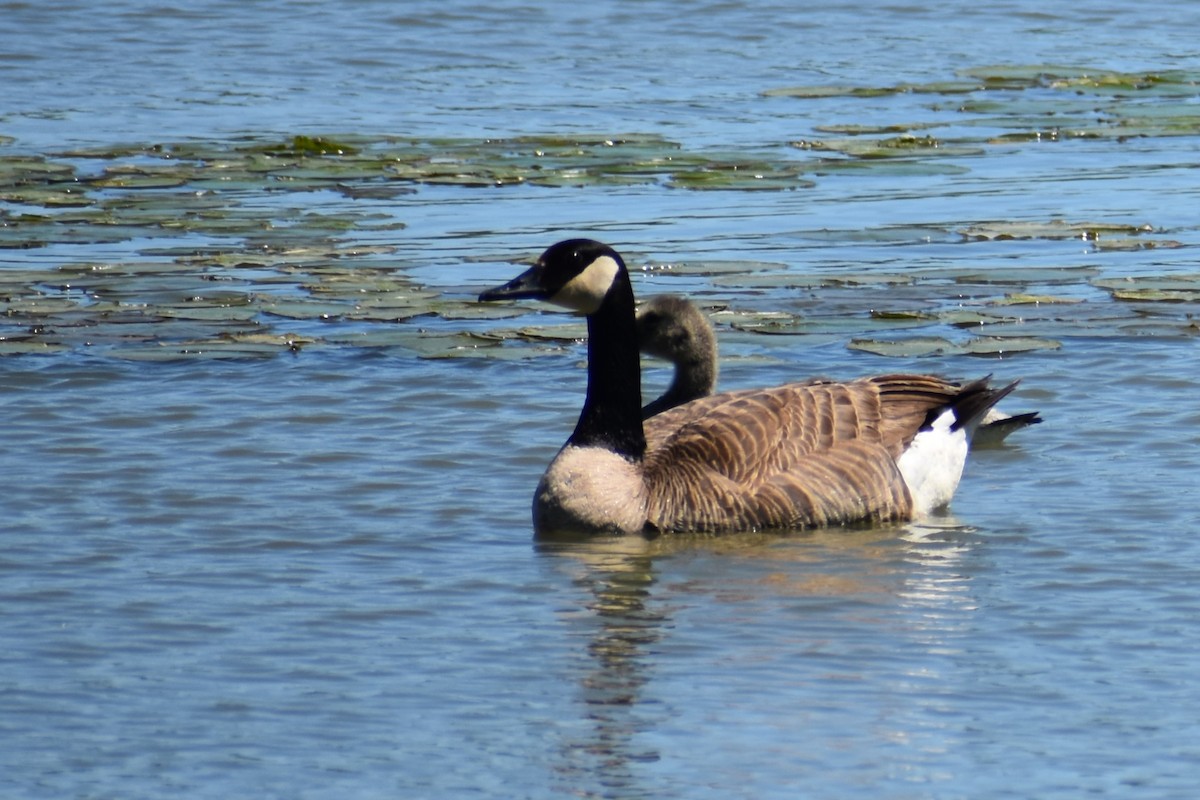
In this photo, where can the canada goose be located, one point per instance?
(672, 328)
(794, 456)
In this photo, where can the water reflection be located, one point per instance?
(616, 576)
(937, 549)
(794, 618)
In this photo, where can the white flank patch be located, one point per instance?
(933, 464)
(585, 292)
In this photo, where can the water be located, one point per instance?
(312, 575)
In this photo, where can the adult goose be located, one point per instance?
(793, 456)
(672, 328)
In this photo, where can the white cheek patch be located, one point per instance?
(585, 292)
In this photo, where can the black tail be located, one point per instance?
(973, 402)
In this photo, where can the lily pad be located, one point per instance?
(906, 146)
(1006, 345)
(303, 309)
(1157, 295)
(1124, 244)
(1023, 299)
(902, 316)
(800, 280)
(708, 268)
(32, 346)
(917, 347)
(215, 313)
(193, 351)
(859, 129)
(821, 92)
(1019, 276)
(38, 306)
(973, 318)
(893, 167)
(22, 170)
(138, 179)
(57, 196)
(470, 311)
(1160, 289)
(1023, 75)
(433, 345)
(740, 177)
(914, 347)
(554, 333)
(756, 321)
(1052, 229)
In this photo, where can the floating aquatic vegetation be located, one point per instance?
(304, 309)
(1084, 79)
(903, 316)
(1120, 244)
(1157, 295)
(1034, 104)
(1016, 276)
(708, 267)
(1024, 299)
(435, 345)
(21, 170)
(857, 129)
(1015, 78)
(756, 321)
(576, 332)
(320, 146)
(815, 92)
(30, 346)
(921, 346)
(906, 146)
(880, 167)
(736, 175)
(199, 350)
(232, 247)
(806, 280)
(1053, 229)
(305, 163)
(904, 155)
(218, 189)
(1153, 289)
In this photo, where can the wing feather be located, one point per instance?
(799, 455)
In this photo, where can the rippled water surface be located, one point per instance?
(264, 521)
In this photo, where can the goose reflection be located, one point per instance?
(617, 576)
(676, 631)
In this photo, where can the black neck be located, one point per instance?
(612, 412)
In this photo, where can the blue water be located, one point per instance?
(313, 576)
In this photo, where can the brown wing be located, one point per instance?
(793, 456)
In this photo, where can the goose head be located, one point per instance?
(590, 278)
(576, 274)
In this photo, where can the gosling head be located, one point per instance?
(671, 328)
(576, 274)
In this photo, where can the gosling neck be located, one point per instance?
(696, 373)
